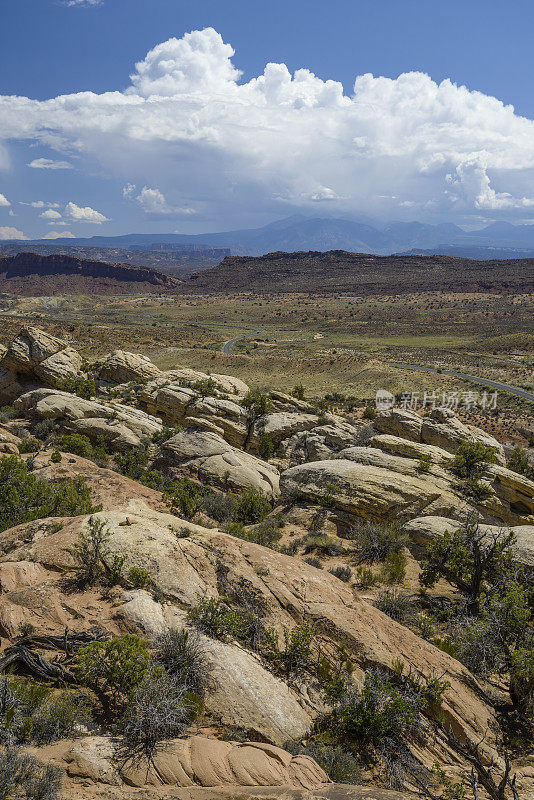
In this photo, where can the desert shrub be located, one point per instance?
(252, 506)
(91, 554)
(184, 496)
(158, 708)
(425, 462)
(377, 711)
(112, 669)
(133, 463)
(468, 559)
(30, 713)
(397, 605)
(344, 573)
(266, 533)
(366, 577)
(296, 653)
(298, 391)
(205, 387)
(470, 459)
(224, 620)
(7, 413)
(291, 548)
(257, 402)
(43, 429)
(138, 577)
(29, 445)
(55, 458)
(218, 506)
(393, 569)
(266, 446)
(183, 655)
(78, 385)
(166, 433)
(314, 562)
(339, 765)
(23, 777)
(370, 412)
(24, 497)
(375, 541)
(75, 443)
(522, 676)
(519, 462)
(60, 717)
(323, 544)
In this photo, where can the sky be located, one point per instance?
(120, 116)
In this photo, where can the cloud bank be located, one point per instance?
(188, 124)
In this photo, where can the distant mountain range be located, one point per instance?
(499, 240)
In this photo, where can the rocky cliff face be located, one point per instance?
(32, 274)
(338, 270)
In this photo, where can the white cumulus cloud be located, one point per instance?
(11, 233)
(47, 163)
(85, 214)
(50, 214)
(407, 145)
(4, 202)
(152, 201)
(59, 235)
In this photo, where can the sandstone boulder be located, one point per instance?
(319, 443)
(440, 428)
(120, 366)
(208, 457)
(36, 358)
(9, 443)
(183, 405)
(279, 426)
(376, 485)
(121, 426)
(194, 761)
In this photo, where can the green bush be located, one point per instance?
(266, 533)
(252, 506)
(394, 567)
(370, 412)
(113, 668)
(425, 462)
(257, 402)
(80, 445)
(296, 653)
(470, 459)
(520, 462)
(314, 562)
(216, 618)
(29, 445)
(266, 446)
(24, 497)
(55, 458)
(93, 560)
(218, 505)
(79, 385)
(397, 605)
(323, 544)
(376, 541)
(298, 391)
(468, 560)
(184, 496)
(378, 711)
(138, 577)
(133, 463)
(166, 433)
(205, 387)
(343, 573)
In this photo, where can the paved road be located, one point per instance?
(227, 346)
(503, 387)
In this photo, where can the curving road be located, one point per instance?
(504, 387)
(227, 346)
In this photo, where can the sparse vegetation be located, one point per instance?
(25, 497)
(79, 385)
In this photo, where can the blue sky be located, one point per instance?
(203, 138)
